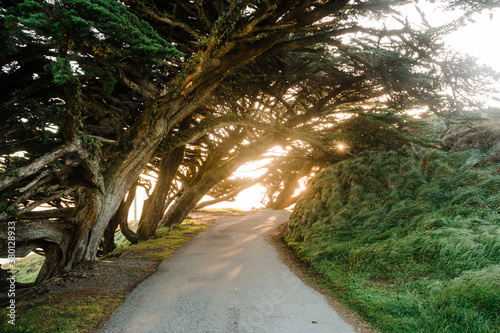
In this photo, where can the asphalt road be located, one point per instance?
(227, 279)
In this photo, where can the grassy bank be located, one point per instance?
(79, 302)
(410, 242)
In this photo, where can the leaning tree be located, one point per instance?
(91, 88)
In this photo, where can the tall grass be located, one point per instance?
(412, 242)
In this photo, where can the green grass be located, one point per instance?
(230, 211)
(27, 268)
(165, 242)
(77, 312)
(63, 313)
(410, 242)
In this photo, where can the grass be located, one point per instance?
(229, 211)
(27, 268)
(410, 242)
(63, 313)
(77, 312)
(165, 242)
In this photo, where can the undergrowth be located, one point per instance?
(229, 211)
(410, 242)
(80, 312)
(27, 268)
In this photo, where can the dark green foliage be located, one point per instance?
(415, 239)
(91, 38)
(106, 26)
(61, 70)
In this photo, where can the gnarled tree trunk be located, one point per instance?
(154, 206)
(120, 219)
(286, 197)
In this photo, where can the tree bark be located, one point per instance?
(108, 242)
(121, 216)
(52, 236)
(293, 199)
(119, 219)
(154, 206)
(286, 198)
(38, 164)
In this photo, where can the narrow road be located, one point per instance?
(226, 279)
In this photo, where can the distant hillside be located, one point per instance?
(410, 241)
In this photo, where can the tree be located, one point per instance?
(91, 88)
(304, 109)
(63, 62)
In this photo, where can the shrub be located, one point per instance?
(411, 242)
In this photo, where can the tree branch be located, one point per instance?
(33, 234)
(232, 194)
(61, 213)
(38, 164)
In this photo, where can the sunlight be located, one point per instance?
(472, 39)
(246, 200)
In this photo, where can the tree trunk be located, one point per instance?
(289, 189)
(191, 196)
(96, 206)
(53, 263)
(286, 198)
(182, 206)
(121, 216)
(293, 199)
(119, 219)
(108, 242)
(59, 259)
(98, 202)
(154, 206)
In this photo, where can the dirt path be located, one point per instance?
(227, 279)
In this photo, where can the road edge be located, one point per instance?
(311, 278)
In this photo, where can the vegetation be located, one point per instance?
(27, 268)
(64, 313)
(96, 93)
(165, 242)
(410, 239)
(80, 311)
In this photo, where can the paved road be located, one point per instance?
(226, 279)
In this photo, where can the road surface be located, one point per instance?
(226, 279)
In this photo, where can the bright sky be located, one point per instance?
(479, 39)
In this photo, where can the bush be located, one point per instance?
(418, 236)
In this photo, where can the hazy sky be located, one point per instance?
(480, 38)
